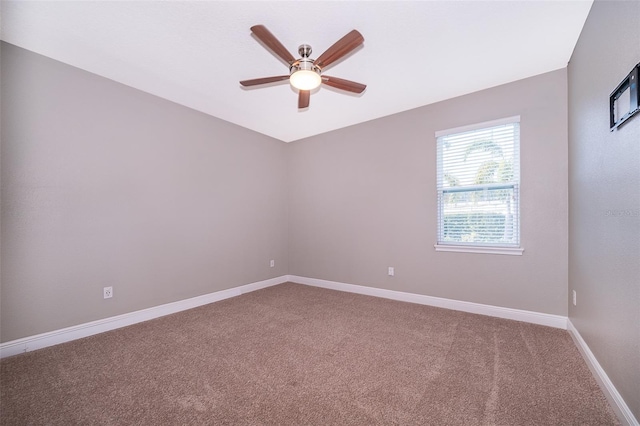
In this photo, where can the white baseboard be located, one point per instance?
(68, 334)
(55, 337)
(556, 321)
(610, 392)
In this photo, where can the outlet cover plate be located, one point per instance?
(107, 292)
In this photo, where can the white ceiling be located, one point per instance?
(195, 52)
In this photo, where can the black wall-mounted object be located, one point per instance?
(624, 101)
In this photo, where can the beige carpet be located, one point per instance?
(298, 355)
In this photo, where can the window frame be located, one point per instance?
(476, 247)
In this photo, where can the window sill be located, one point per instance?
(513, 251)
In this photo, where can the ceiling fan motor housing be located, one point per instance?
(304, 63)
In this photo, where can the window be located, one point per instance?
(478, 182)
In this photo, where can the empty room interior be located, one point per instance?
(445, 231)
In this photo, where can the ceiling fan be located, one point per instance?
(305, 74)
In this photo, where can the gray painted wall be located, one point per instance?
(104, 185)
(364, 198)
(604, 208)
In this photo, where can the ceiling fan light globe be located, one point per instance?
(305, 79)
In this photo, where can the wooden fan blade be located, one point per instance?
(303, 98)
(342, 84)
(264, 80)
(272, 43)
(340, 48)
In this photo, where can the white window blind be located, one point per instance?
(479, 185)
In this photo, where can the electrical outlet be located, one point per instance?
(392, 271)
(272, 263)
(574, 298)
(107, 292)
